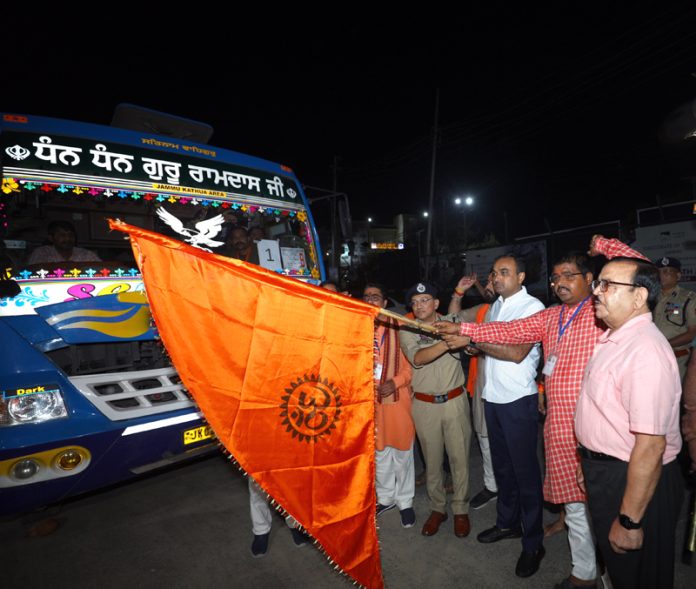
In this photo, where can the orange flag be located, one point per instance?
(283, 372)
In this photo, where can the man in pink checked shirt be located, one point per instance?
(569, 333)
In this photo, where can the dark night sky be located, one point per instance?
(543, 114)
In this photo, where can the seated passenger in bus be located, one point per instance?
(62, 237)
(239, 246)
(256, 234)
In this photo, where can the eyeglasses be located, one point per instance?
(419, 302)
(603, 285)
(372, 297)
(556, 278)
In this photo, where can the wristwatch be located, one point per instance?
(628, 523)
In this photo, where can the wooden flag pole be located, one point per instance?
(406, 321)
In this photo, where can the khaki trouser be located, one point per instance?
(682, 362)
(440, 426)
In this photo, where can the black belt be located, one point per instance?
(591, 455)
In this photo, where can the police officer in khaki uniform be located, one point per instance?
(675, 314)
(440, 411)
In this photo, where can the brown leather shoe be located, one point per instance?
(431, 526)
(462, 527)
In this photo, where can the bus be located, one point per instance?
(88, 395)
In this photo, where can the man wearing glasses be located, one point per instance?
(627, 424)
(440, 411)
(395, 478)
(568, 333)
(675, 313)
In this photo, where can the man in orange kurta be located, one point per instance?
(394, 429)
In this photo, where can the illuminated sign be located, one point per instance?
(386, 245)
(52, 158)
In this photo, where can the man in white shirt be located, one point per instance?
(512, 418)
(63, 237)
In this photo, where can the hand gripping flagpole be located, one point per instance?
(420, 326)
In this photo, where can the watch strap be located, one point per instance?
(628, 523)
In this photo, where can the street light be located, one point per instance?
(464, 203)
(369, 219)
(425, 214)
(467, 200)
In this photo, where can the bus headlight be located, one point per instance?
(33, 408)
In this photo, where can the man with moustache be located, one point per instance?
(675, 313)
(440, 411)
(627, 424)
(512, 419)
(239, 246)
(62, 236)
(394, 430)
(568, 333)
(476, 377)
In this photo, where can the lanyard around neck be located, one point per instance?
(561, 327)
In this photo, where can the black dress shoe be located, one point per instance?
(482, 497)
(495, 533)
(528, 562)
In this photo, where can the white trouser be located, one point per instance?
(395, 477)
(261, 516)
(582, 549)
(488, 476)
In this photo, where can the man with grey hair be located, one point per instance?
(627, 425)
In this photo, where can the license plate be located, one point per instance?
(198, 434)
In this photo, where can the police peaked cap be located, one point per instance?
(422, 288)
(667, 262)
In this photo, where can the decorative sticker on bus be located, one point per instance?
(38, 293)
(33, 390)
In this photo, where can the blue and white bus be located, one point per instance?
(88, 396)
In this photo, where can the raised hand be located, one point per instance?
(593, 249)
(465, 283)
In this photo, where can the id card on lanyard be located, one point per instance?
(550, 363)
(378, 365)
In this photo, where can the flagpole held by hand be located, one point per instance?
(406, 321)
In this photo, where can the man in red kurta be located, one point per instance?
(394, 429)
(568, 333)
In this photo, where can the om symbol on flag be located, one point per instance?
(311, 408)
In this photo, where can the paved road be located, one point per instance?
(189, 528)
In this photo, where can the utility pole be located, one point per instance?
(334, 271)
(431, 211)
